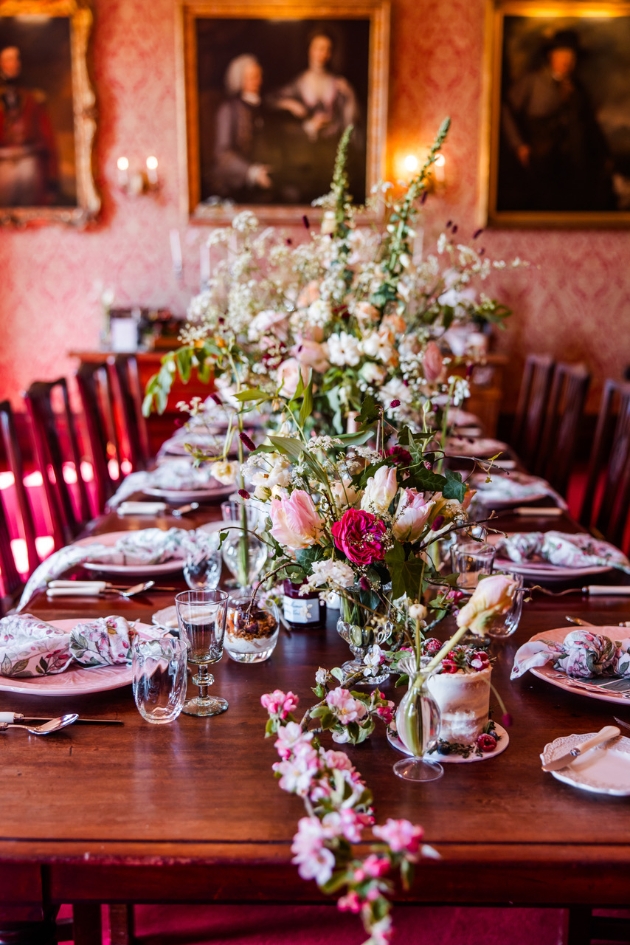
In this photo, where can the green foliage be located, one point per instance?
(406, 573)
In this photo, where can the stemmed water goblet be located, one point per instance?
(201, 616)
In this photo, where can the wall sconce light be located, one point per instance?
(411, 164)
(133, 183)
(436, 178)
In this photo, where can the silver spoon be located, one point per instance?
(48, 728)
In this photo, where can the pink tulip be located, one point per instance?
(411, 516)
(296, 523)
(288, 375)
(380, 489)
(432, 363)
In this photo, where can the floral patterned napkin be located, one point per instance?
(582, 654)
(561, 549)
(30, 647)
(145, 546)
(516, 488)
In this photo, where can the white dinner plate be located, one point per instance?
(583, 687)
(117, 567)
(602, 770)
(219, 491)
(454, 759)
(78, 681)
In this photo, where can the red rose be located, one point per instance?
(487, 743)
(361, 536)
(400, 455)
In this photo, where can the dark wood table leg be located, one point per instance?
(86, 923)
(121, 924)
(579, 928)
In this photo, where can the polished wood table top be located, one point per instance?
(191, 811)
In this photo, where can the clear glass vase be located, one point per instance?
(418, 729)
(364, 619)
(244, 556)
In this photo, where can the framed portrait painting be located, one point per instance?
(558, 136)
(47, 120)
(269, 89)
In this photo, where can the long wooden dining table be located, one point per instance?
(190, 812)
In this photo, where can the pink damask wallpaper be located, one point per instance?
(574, 301)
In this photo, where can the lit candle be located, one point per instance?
(205, 270)
(123, 171)
(176, 252)
(152, 174)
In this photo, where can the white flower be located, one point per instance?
(395, 390)
(278, 475)
(380, 490)
(373, 373)
(299, 770)
(224, 471)
(372, 660)
(321, 676)
(335, 573)
(313, 859)
(245, 222)
(378, 345)
(343, 349)
(319, 313)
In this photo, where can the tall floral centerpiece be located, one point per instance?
(358, 307)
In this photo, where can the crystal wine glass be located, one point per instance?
(201, 616)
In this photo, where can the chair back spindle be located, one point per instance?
(16, 466)
(565, 408)
(532, 403)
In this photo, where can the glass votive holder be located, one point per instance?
(504, 625)
(159, 678)
(251, 629)
(469, 559)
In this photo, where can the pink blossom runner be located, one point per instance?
(339, 808)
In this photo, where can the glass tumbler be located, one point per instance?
(202, 570)
(470, 559)
(159, 678)
(201, 617)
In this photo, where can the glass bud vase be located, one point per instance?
(418, 729)
(364, 621)
(244, 557)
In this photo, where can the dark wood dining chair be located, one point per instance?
(50, 432)
(15, 463)
(606, 502)
(133, 434)
(565, 408)
(531, 406)
(11, 581)
(95, 392)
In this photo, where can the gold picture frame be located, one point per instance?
(376, 13)
(83, 203)
(530, 188)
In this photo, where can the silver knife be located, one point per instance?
(608, 732)
(11, 717)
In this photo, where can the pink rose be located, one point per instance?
(361, 536)
(311, 354)
(295, 522)
(309, 294)
(432, 363)
(401, 835)
(411, 515)
(288, 375)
